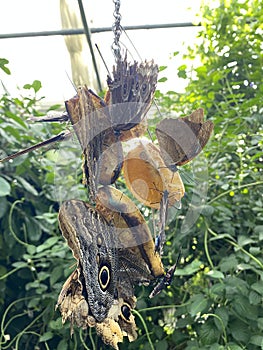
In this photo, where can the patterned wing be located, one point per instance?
(92, 241)
(91, 296)
(131, 92)
(138, 261)
(74, 307)
(102, 155)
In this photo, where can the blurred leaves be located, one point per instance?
(3, 63)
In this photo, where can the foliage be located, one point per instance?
(223, 299)
(215, 301)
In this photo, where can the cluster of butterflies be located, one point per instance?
(108, 235)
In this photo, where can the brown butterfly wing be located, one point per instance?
(177, 139)
(202, 138)
(205, 133)
(131, 92)
(196, 116)
(102, 155)
(183, 139)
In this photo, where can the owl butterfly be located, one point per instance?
(73, 304)
(130, 93)
(102, 157)
(135, 241)
(100, 292)
(182, 139)
(138, 241)
(101, 124)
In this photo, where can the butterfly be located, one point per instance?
(182, 139)
(73, 305)
(134, 237)
(101, 124)
(102, 156)
(130, 93)
(114, 251)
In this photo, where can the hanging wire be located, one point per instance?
(117, 30)
(88, 37)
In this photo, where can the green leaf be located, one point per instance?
(198, 304)
(258, 287)
(161, 68)
(189, 269)
(257, 340)
(215, 274)
(56, 274)
(47, 244)
(3, 206)
(223, 313)
(46, 336)
(243, 240)
(239, 331)
(3, 63)
(20, 264)
(259, 230)
(5, 188)
(243, 308)
(36, 85)
(162, 80)
(42, 275)
(63, 345)
(260, 323)
(228, 264)
(209, 334)
(161, 345)
(27, 186)
(31, 249)
(255, 298)
(207, 210)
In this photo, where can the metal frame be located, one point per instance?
(79, 31)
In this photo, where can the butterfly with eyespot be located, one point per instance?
(124, 214)
(111, 261)
(74, 307)
(182, 139)
(134, 237)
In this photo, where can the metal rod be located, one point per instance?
(87, 33)
(95, 30)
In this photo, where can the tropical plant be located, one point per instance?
(215, 300)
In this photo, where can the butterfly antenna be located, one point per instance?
(132, 44)
(103, 60)
(71, 81)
